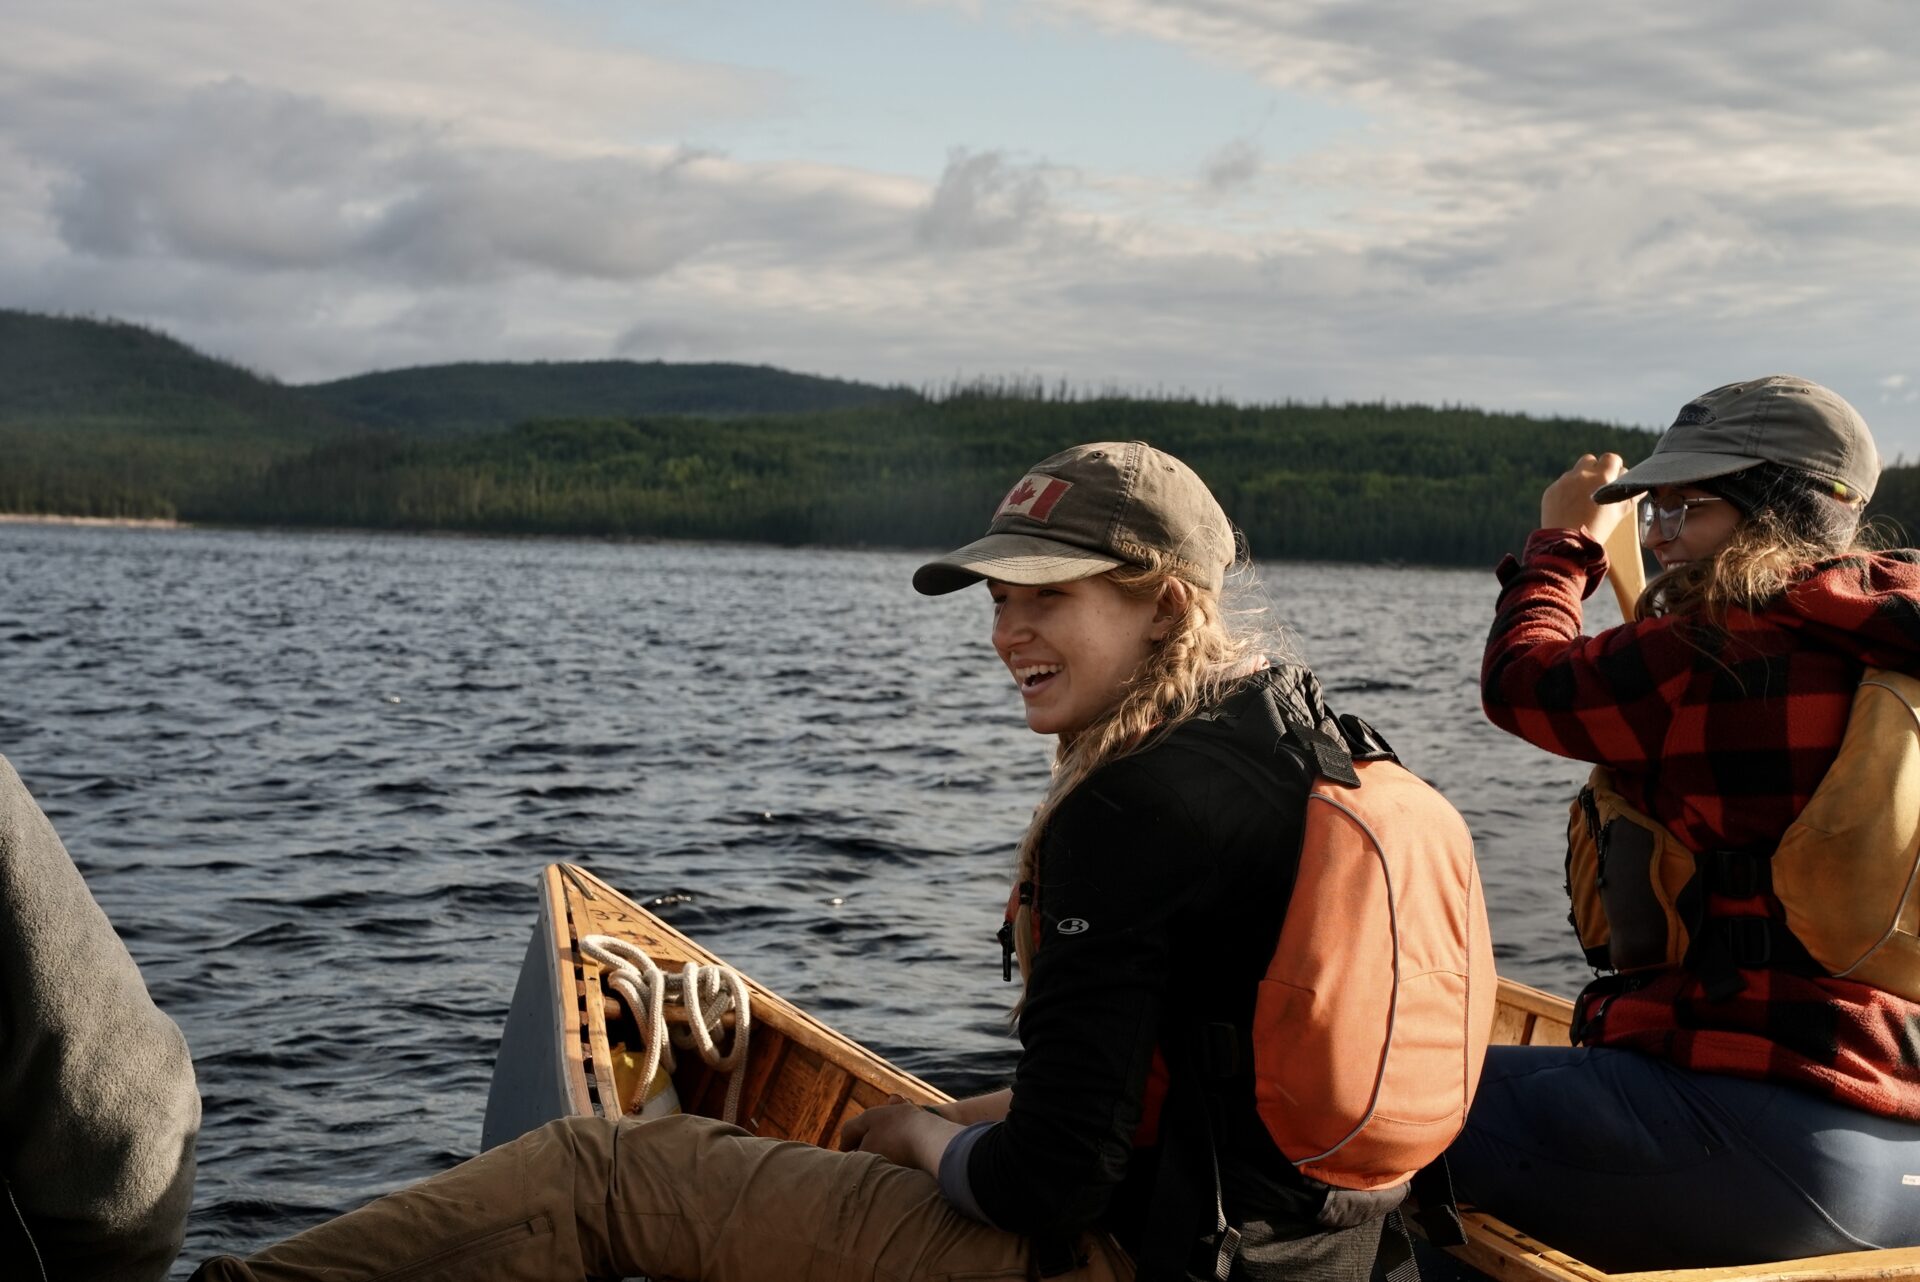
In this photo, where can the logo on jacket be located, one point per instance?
(1033, 498)
(1075, 926)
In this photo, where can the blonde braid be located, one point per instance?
(1187, 670)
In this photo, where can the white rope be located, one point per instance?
(706, 992)
(631, 973)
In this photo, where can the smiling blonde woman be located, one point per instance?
(1142, 1130)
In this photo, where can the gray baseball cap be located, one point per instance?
(1777, 419)
(1091, 509)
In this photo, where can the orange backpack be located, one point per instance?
(1374, 1015)
(1373, 1018)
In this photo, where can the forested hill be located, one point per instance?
(106, 419)
(443, 400)
(75, 369)
(72, 372)
(1355, 482)
(103, 418)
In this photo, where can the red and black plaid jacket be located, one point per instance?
(1722, 738)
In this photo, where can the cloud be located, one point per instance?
(227, 173)
(1233, 166)
(983, 201)
(476, 70)
(241, 176)
(1637, 64)
(1734, 176)
(295, 140)
(1586, 212)
(1477, 108)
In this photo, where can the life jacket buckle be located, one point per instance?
(1229, 1249)
(1739, 874)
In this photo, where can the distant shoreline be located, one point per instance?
(129, 522)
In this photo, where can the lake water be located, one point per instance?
(312, 779)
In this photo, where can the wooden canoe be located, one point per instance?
(803, 1080)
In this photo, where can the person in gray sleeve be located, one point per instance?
(98, 1109)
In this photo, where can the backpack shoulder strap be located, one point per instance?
(1364, 742)
(1256, 729)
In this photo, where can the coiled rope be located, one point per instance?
(707, 993)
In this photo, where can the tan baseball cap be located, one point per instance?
(1088, 510)
(1777, 419)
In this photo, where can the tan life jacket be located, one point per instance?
(1846, 872)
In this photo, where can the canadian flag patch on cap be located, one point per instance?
(1033, 497)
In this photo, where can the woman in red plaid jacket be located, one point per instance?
(1766, 1112)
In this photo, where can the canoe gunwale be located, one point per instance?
(575, 1040)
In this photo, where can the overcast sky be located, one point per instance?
(1595, 209)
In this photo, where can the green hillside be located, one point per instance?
(104, 418)
(74, 370)
(442, 400)
(1350, 482)
(107, 419)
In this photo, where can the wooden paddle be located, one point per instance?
(1626, 571)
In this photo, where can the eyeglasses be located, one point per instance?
(1670, 516)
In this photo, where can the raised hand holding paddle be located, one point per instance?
(1568, 504)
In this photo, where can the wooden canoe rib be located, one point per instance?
(803, 1080)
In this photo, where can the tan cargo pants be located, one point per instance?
(683, 1198)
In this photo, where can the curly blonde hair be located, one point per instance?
(1206, 650)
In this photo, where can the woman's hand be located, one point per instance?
(903, 1133)
(1568, 503)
